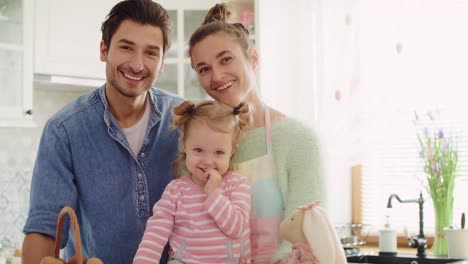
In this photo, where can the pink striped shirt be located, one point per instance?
(200, 228)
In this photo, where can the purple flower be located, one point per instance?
(441, 133)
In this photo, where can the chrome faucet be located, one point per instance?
(419, 242)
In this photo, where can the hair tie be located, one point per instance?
(237, 109)
(190, 109)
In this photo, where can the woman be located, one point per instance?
(278, 154)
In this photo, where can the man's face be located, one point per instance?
(134, 58)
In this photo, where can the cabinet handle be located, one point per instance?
(29, 112)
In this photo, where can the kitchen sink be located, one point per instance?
(401, 259)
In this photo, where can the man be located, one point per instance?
(109, 153)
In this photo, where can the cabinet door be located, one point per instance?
(68, 34)
(15, 63)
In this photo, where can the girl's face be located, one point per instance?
(223, 69)
(206, 149)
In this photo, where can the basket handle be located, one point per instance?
(76, 232)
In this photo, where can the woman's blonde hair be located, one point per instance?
(217, 116)
(216, 20)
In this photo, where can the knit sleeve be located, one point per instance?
(158, 228)
(304, 170)
(301, 161)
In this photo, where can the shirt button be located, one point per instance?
(142, 155)
(140, 176)
(140, 186)
(142, 165)
(142, 198)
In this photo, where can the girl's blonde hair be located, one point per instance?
(217, 116)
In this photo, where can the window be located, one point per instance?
(413, 58)
(394, 166)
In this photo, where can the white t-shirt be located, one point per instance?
(136, 133)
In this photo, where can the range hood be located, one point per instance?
(66, 81)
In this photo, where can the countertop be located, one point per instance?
(402, 252)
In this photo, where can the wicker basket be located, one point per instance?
(78, 258)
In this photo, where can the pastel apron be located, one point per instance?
(267, 202)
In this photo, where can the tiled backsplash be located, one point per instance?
(14, 196)
(18, 147)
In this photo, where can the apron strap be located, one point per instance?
(268, 130)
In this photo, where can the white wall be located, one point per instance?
(288, 63)
(340, 42)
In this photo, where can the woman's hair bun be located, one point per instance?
(220, 12)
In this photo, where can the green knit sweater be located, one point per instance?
(298, 163)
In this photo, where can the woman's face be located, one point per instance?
(223, 69)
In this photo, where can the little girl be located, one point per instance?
(205, 214)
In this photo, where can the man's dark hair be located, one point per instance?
(141, 11)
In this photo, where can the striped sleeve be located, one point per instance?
(231, 213)
(158, 228)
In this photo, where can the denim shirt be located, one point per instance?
(85, 161)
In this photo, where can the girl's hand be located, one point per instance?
(213, 180)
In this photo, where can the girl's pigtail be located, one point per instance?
(181, 113)
(242, 111)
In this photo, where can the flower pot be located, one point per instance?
(457, 242)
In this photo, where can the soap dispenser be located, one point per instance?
(387, 240)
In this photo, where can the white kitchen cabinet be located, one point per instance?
(16, 38)
(68, 35)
